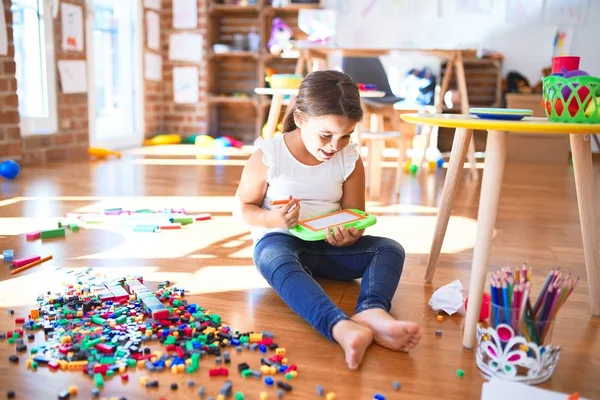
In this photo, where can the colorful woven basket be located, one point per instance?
(575, 99)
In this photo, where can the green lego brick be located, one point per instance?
(108, 360)
(246, 373)
(53, 233)
(74, 227)
(98, 380)
(171, 340)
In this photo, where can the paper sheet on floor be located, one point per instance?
(500, 389)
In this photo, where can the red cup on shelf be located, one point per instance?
(560, 65)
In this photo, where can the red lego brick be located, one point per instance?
(100, 369)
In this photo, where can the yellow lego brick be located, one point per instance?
(255, 337)
(174, 369)
(280, 351)
(65, 339)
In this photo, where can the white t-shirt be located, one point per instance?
(319, 187)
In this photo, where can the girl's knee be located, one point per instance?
(272, 252)
(391, 246)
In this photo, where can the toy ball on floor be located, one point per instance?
(9, 169)
(222, 142)
(440, 162)
(204, 141)
(484, 313)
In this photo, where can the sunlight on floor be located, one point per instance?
(414, 232)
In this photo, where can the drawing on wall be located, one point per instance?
(423, 9)
(474, 6)
(566, 12)
(343, 7)
(524, 10)
(185, 14)
(153, 30)
(370, 5)
(562, 42)
(185, 85)
(72, 27)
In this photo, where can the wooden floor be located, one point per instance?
(537, 223)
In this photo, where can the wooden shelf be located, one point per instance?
(212, 99)
(292, 8)
(231, 8)
(243, 71)
(249, 54)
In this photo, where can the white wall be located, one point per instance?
(527, 47)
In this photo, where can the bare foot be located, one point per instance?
(389, 332)
(354, 339)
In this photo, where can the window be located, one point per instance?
(34, 57)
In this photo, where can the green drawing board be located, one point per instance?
(314, 228)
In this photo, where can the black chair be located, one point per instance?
(371, 71)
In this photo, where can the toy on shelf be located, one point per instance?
(281, 37)
(319, 25)
(103, 153)
(9, 169)
(163, 139)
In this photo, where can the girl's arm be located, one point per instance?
(354, 188)
(251, 193)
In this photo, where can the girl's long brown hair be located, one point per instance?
(326, 93)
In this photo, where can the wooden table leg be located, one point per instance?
(464, 107)
(376, 147)
(460, 145)
(584, 181)
(274, 113)
(488, 209)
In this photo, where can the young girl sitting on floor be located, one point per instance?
(314, 163)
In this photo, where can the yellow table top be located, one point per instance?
(527, 124)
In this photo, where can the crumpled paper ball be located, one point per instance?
(448, 298)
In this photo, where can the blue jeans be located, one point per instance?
(289, 264)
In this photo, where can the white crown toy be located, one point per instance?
(503, 354)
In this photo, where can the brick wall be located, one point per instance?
(71, 140)
(10, 136)
(183, 118)
(161, 114)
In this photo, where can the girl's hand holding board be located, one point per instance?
(341, 237)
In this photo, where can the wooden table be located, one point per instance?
(490, 195)
(277, 103)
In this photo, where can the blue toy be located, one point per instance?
(9, 169)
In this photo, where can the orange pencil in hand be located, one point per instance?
(280, 202)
